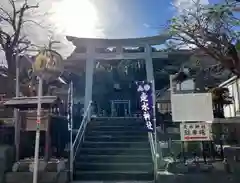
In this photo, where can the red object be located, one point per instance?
(195, 137)
(38, 121)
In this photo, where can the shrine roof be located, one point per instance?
(114, 42)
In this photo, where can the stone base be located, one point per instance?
(27, 165)
(43, 177)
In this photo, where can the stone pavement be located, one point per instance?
(180, 178)
(112, 182)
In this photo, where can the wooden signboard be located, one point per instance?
(195, 131)
(29, 118)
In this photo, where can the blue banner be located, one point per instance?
(145, 91)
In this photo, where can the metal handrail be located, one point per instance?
(154, 154)
(77, 140)
(151, 141)
(81, 128)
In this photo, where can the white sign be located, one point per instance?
(163, 145)
(195, 131)
(192, 107)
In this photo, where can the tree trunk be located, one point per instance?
(10, 87)
(229, 63)
(11, 72)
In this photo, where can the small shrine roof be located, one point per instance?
(30, 102)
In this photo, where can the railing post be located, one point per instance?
(74, 145)
(89, 112)
(71, 127)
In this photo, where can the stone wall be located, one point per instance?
(6, 160)
(198, 178)
(44, 177)
(53, 171)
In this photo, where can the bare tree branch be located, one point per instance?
(4, 15)
(11, 37)
(211, 30)
(20, 15)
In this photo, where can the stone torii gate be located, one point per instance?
(88, 50)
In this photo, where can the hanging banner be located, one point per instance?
(144, 89)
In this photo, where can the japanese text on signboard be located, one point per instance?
(195, 132)
(145, 91)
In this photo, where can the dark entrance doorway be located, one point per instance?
(120, 108)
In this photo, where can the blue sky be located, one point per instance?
(137, 18)
(102, 18)
(117, 18)
(141, 17)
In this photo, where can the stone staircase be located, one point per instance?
(114, 150)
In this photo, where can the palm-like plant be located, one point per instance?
(220, 97)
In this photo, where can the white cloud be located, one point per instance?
(39, 35)
(77, 18)
(146, 25)
(182, 5)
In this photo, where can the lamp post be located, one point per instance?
(17, 93)
(46, 67)
(37, 138)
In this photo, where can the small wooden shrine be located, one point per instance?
(27, 118)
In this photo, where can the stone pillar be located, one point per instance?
(149, 71)
(149, 63)
(119, 49)
(89, 77)
(150, 77)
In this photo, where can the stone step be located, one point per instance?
(113, 166)
(110, 138)
(114, 175)
(116, 119)
(116, 123)
(117, 181)
(116, 133)
(114, 151)
(114, 158)
(117, 128)
(117, 145)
